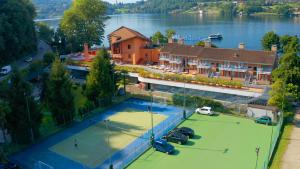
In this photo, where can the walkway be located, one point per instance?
(291, 158)
(237, 92)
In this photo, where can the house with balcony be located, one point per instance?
(238, 63)
(131, 47)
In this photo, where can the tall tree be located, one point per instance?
(289, 44)
(83, 22)
(4, 110)
(100, 85)
(17, 30)
(24, 119)
(269, 39)
(59, 95)
(45, 33)
(159, 38)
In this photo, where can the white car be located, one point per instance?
(28, 60)
(5, 70)
(205, 111)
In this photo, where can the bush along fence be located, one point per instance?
(182, 78)
(126, 156)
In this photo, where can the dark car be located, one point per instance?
(264, 120)
(176, 137)
(163, 146)
(185, 131)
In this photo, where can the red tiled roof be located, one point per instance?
(124, 33)
(236, 55)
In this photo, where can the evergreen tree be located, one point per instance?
(17, 29)
(4, 111)
(100, 82)
(59, 95)
(24, 119)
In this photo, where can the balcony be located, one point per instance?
(116, 56)
(265, 71)
(176, 61)
(192, 63)
(233, 68)
(164, 58)
(203, 66)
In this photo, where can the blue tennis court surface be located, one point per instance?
(41, 151)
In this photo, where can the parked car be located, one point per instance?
(163, 146)
(205, 110)
(185, 131)
(176, 137)
(264, 120)
(28, 60)
(5, 70)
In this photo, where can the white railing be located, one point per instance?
(264, 71)
(203, 66)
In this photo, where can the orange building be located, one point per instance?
(131, 47)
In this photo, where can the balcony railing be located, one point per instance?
(266, 71)
(233, 68)
(176, 61)
(192, 62)
(164, 58)
(203, 66)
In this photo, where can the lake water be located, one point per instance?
(193, 28)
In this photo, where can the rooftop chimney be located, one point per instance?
(170, 40)
(274, 48)
(181, 41)
(207, 44)
(241, 46)
(86, 50)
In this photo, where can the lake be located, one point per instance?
(246, 29)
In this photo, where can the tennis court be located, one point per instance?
(86, 145)
(222, 141)
(93, 147)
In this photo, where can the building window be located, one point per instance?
(129, 46)
(129, 56)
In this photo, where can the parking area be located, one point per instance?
(221, 141)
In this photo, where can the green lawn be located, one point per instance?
(222, 141)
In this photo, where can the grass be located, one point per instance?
(222, 141)
(282, 146)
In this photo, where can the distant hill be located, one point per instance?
(55, 8)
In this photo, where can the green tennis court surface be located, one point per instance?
(221, 142)
(93, 149)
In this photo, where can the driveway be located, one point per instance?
(42, 48)
(291, 158)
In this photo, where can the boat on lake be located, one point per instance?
(215, 36)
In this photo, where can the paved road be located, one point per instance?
(42, 48)
(291, 158)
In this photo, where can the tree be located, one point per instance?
(24, 119)
(17, 30)
(269, 39)
(202, 43)
(284, 10)
(83, 22)
(4, 111)
(170, 33)
(289, 44)
(48, 58)
(59, 95)
(44, 32)
(100, 85)
(286, 87)
(159, 38)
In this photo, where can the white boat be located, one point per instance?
(215, 36)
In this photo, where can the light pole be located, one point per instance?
(108, 133)
(184, 100)
(151, 113)
(257, 149)
(29, 118)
